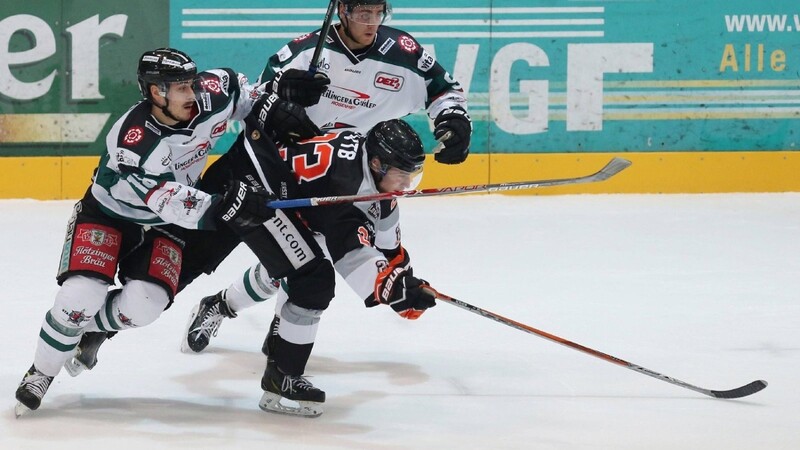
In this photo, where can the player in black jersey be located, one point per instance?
(362, 239)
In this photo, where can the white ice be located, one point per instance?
(703, 288)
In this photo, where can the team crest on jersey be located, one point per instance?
(76, 317)
(133, 136)
(190, 202)
(219, 129)
(408, 44)
(98, 237)
(388, 82)
(211, 85)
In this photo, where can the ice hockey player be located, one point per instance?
(131, 221)
(374, 73)
(362, 239)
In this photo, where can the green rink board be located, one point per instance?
(543, 77)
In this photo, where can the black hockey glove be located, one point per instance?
(245, 206)
(283, 119)
(299, 86)
(455, 121)
(397, 287)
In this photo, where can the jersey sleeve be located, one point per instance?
(232, 85)
(442, 90)
(133, 184)
(294, 55)
(360, 252)
(355, 256)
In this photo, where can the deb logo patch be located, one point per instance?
(388, 81)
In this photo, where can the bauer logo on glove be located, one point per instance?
(406, 294)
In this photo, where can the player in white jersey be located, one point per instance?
(131, 221)
(373, 73)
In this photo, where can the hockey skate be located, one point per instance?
(269, 341)
(288, 394)
(85, 357)
(31, 390)
(204, 322)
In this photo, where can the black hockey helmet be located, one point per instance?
(395, 144)
(162, 66)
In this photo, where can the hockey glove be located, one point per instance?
(455, 121)
(397, 287)
(299, 86)
(245, 206)
(283, 119)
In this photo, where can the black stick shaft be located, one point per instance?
(323, 35)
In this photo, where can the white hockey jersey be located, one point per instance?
(149, 169)
(393, 78)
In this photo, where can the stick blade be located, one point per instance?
(742, 391)
(615, 166)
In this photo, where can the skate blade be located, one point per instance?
(20, 410)
(274, 403)
(185, 342)
(74, 367)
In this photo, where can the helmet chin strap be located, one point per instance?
(346, 28)
(165, 109)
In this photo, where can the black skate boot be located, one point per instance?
(289, 394)
(31, 390)
(204, 322)
(269, 341)
(86, 354)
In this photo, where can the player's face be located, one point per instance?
(363, 22)
(399, 180)
(181, 100)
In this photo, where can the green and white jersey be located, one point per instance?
(395, 77)
(149, 169)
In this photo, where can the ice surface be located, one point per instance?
(703, 288)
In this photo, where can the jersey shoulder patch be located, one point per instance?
(299, 44)
(400, 48)
(216, 89)
(138, 132)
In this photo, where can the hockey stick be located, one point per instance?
(323, 35)
(613, 167)
(742, 391)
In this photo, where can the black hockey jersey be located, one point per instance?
(357, 235)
